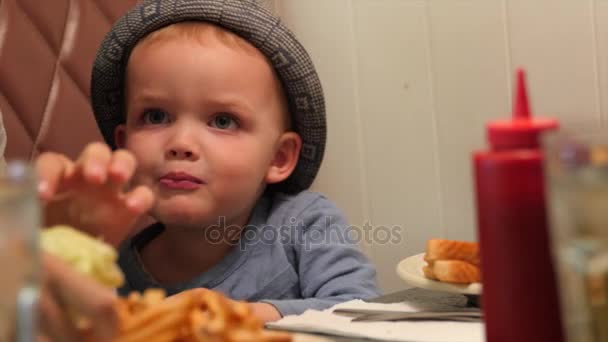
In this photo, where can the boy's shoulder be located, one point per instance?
(298, 202)
(304, 205)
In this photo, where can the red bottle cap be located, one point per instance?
(522, 131)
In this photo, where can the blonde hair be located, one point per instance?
(199, 31)
(202, 32)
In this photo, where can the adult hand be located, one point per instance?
(67, 297)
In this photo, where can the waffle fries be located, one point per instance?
(197, 315)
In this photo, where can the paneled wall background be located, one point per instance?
(410, 85)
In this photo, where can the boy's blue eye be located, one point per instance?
(155, 117)
(224, 121)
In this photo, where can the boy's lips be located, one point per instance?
(180, 180)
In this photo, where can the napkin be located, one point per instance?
(326, 322)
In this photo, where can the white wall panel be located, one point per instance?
(410, 85)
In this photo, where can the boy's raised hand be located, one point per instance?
(90, 194)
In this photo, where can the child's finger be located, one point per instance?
(140, 199)
(122, 166)
(94, 162)
(52, 169)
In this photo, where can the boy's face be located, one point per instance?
(206, 125)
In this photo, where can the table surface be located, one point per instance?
(425, 299)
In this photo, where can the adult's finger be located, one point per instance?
(54, 323)
(94, 162)
(52, 169)
(84, 296)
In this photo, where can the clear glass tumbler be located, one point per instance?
(576, 171)
(19, 266)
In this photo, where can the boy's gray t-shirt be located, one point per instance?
(297, 253)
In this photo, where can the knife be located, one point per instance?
(421, 316)
(366, 315)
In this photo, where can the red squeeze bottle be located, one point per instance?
(519, 299)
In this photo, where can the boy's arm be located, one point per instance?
(331, 267)
(265, 312)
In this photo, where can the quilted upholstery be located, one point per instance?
(46, 54)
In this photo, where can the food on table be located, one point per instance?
(84, 253)
(441, 249)
(195, 315)
(456, 271)
(190, 316)
(452, 261)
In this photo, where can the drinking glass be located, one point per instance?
(576, 173)
(19, 227)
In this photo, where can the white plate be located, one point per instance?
(410, 270)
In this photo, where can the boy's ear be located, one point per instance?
(285, 158)
(120, 136)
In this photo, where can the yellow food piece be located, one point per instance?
(84, 253)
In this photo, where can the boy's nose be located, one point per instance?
(181, 154)
(183, 142)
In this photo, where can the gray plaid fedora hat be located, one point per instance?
(250, 21)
